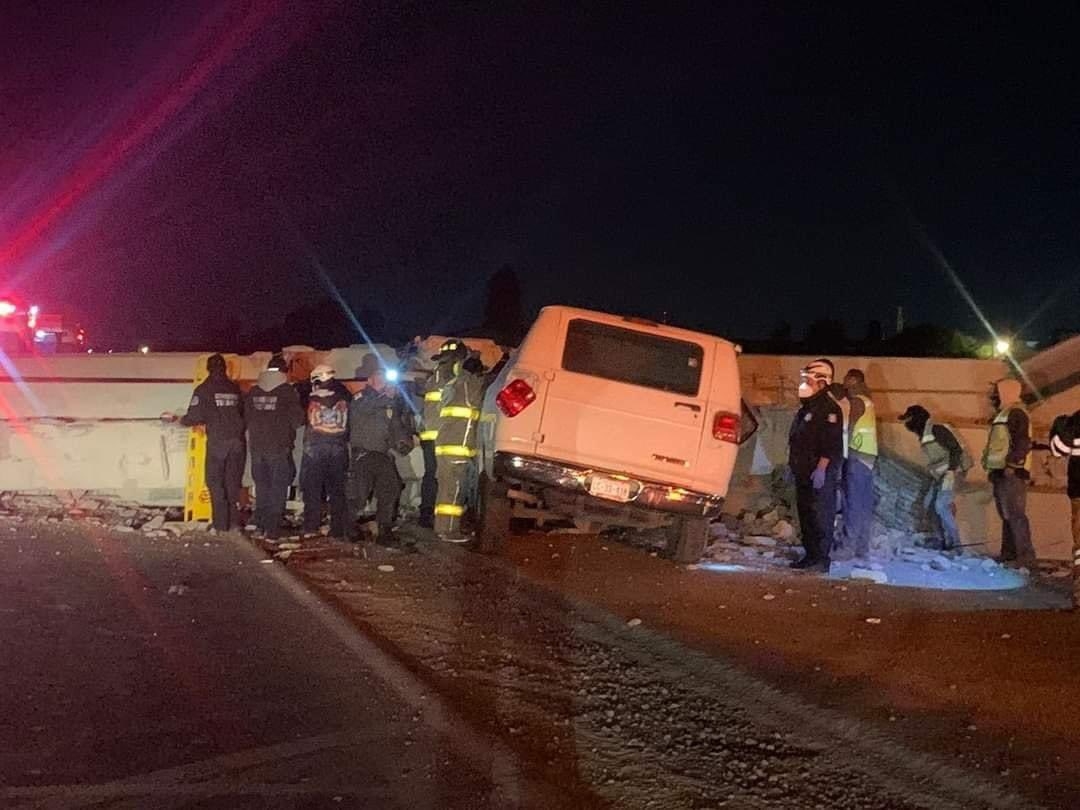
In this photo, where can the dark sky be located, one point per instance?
(167, 170)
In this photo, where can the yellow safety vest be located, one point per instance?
(864, 431)
(997, 443)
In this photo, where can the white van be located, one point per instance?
(612, 421)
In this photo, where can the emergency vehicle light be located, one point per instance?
(6, 308)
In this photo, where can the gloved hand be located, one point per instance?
(817, 478)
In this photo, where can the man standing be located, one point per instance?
(455, 447)
(1065, 443)
(326, 437)
(858, 478)
(1007, 461)
(945, 461)
(815, 454)
(273, 415)
(216, 405)
(452, 352)
(377, 430)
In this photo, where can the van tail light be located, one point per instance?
(515, 397)
(725, 427)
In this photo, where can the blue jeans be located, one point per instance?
(322, 478)
(941, 499)
(858, 488)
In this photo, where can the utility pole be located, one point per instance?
(899, 320)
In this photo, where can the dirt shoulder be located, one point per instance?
(978, 677)
(536, 648)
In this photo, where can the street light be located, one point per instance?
(1002, 345)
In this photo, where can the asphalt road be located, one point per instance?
(178, 673)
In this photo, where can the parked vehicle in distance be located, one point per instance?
(612, 421)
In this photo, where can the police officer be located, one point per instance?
(946, 461)
(452, 352)
(1007, 461)
(216, 405)
(378, 429)
(273, 415)
(326, 437)
(815, 454)
(455, 447)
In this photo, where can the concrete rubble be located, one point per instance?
(766, 535)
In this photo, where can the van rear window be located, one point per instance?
(632, 357)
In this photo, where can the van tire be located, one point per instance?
(687, 537)
(493, 523)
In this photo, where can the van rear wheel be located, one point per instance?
(686, 539)
(495, 508)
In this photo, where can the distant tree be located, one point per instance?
(930, 340)
(825, 336)
(874, 333)
(780, 340)
(504, 317)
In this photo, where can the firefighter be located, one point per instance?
(455, 447)
(216, 404)
(377, 430)
(815, 455)
(452, 352)
(946, 461)
(1065, 443)
(859, 462)
(1007, 461)
(273, 414)
(326, 438)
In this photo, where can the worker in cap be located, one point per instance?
(456, 443)
(273, 414)
(449, 355)
(860, 458)
(1007, 461)
(326, 459)
(946, 461)
(216, 405)
(815, 455)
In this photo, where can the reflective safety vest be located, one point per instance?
(937, 457)
(459, 416)
(998, 442)
(433, 396)
(864, 431)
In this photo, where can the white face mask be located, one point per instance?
(806, 390)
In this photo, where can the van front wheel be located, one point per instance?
(686, 539)
(495, 509)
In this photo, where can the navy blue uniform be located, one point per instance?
(273, 414)
(217, 404)
(816, 433)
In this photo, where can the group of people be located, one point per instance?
(351, 443)
(833, 451)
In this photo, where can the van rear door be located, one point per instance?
(628, 398)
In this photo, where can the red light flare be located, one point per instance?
(121, 144)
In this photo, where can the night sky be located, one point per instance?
(171, 168)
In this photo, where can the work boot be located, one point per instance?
(386, 539)
(803, 564)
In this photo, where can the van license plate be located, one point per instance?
(609, 488)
